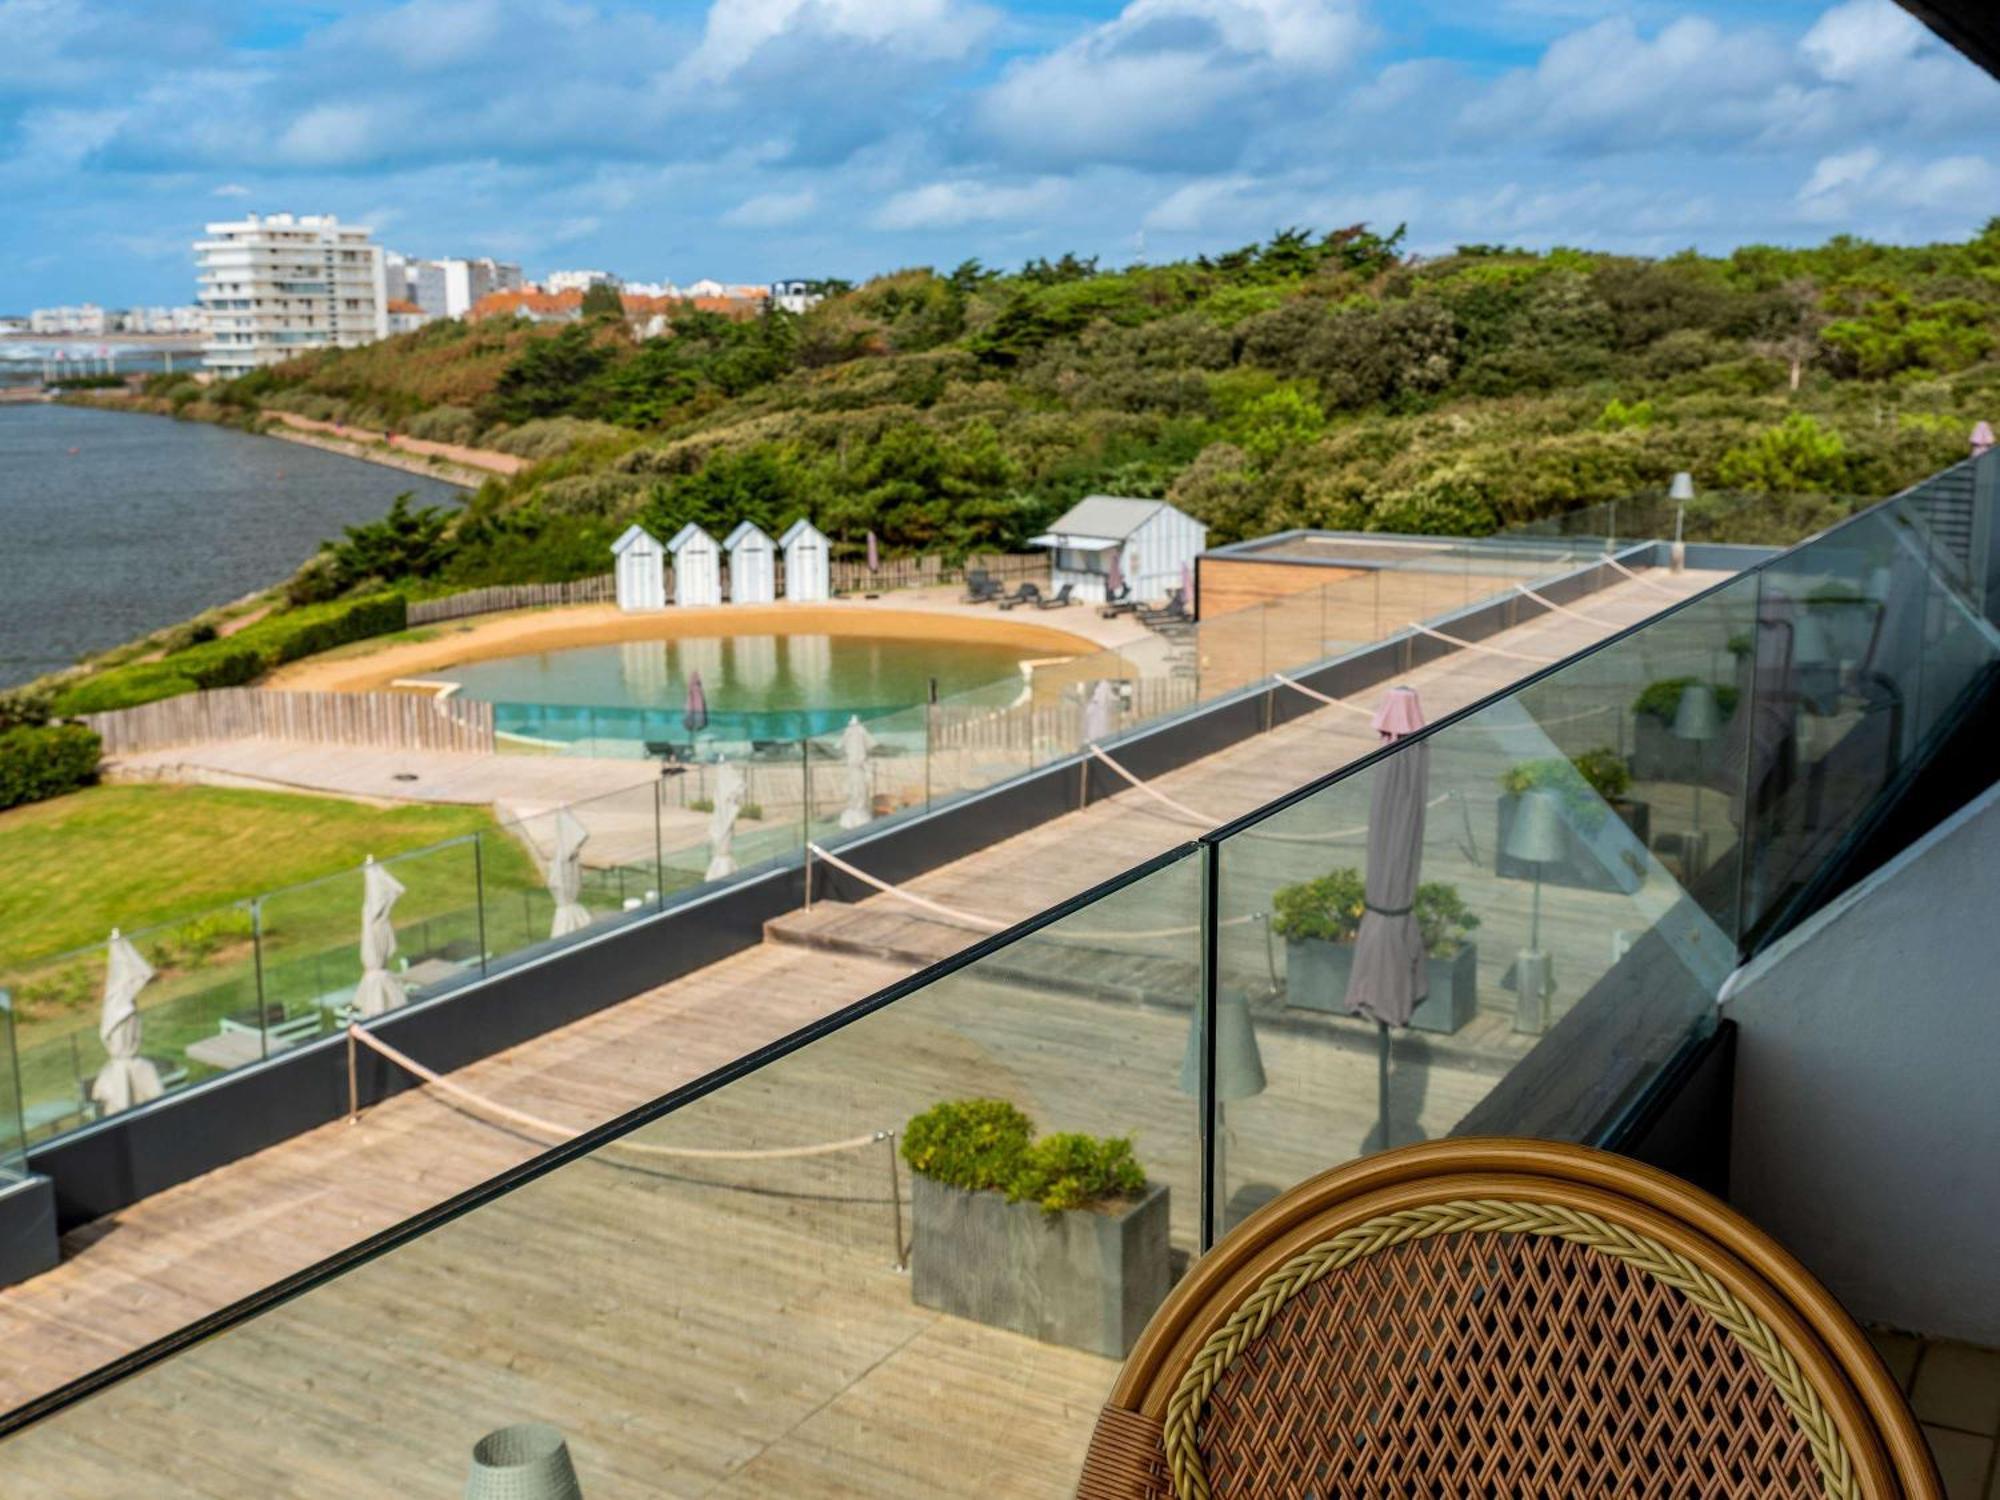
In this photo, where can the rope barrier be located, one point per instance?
(549, 1127)
(1315, 693)
(1564, 609)
(1640, 577)
(1482, 646)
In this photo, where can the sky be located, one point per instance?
(755, 139)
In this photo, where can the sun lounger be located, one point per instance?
(1027, 593)
(1058, 600)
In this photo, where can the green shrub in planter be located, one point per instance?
(1068, 1171)
(1443, 919)
(1662, 700)
(974, 1144)
(1327, 909)
(46, 761)
(1601, 771)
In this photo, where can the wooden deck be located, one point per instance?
(741, 1332)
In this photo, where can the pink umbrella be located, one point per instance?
(1187, 587)
(874, 555)
(694, 718)
(1982, 438)
(1114, 573)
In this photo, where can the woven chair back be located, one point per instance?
(1495, 1318)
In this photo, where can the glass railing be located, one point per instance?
(1506, 922)
(13, 1130)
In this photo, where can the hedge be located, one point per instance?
(237, 659)
(46, 762)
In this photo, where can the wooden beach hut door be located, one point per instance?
(808, 569)
(640, 565)
(697, 567)
(753, 565)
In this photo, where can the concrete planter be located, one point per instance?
(1316, 975)
(1085, 1279)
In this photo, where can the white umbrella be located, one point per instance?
(1100, 712)
(566, 876)
(729, 792)
(379, 991)
(126, 1078)
(855, 743)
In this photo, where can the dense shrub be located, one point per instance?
(974, 1144)
(46, 761)
(444, 424)
(1327, 909)
(1068, 1171)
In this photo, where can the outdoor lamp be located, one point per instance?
(1697, 720)
(1239, 1066)
(1535, 838)
(527, 1461)
(1680, 492)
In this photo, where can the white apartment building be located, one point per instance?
(279, 285)
(163, 320)
(448, 288)
(579, 281)
(89, 319)
(796, 296)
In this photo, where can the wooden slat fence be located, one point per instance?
(392, 721)
(930, 570)
(599, 590)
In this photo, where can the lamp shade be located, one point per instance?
(1682, 487)
(1239, 1066)
(528, 1461)
(1699, 716)
(1537, 832)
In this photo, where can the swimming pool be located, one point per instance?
(760, 689)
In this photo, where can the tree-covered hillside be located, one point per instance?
(1310, 380)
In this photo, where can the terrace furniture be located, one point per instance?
(1120, 603)
(1027, 593)
(981, 587)
(1503, 1317)
(1060, 599)
(1174, 610)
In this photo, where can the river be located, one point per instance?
(113, 524)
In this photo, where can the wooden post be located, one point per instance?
(902, 1261)
(353, 1089)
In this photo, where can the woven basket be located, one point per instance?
(528, 1461)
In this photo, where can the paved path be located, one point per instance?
(696, 1335)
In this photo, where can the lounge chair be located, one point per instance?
(1175, 609)
(1059, 600)
(1503, 1317)
(1027, 593)
(981, 587)
(1120, 603)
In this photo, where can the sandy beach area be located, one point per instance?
(370, 665)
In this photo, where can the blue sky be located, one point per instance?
(751, 139)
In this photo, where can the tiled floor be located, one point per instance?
(1955, 1390)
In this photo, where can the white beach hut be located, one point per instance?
(808, 575)
(697, 567)
(640, 563)
(753, 565)
(1151, 540)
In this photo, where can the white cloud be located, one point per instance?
(1206, 203)
(1962, 187)
(1161, 79)
(953, 205)
(230, 190)
(1836, 174)
(772, 210)
(1862, 36)
(737, 30)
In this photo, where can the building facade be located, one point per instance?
(579, 281)
(450, 288)
(279, 285)
(89, 319)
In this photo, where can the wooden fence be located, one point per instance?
(386, 721)
(599, 590)
(928, 571)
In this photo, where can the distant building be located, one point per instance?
(162, 320)
(280, 285)
(89, 319)
(796, 296)
(528, 302)
(1152, 544)
(405, 316)
(451, 288)
(578, 281)
(12, 324)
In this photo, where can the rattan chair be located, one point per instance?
(1494, 1318)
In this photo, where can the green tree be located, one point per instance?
(602, 300)
(1798, 454)
(406, 543)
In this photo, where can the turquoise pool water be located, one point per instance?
(758, 687)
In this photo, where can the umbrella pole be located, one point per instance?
(1382, 1080)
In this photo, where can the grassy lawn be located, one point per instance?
(133, 856)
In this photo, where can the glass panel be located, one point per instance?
(694, 1322)
(13, 1129)
(554, 875)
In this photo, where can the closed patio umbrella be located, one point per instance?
(1114, 572)
(379, 991)
(1982, 437)
(1387, 979)
(874, 554)
(730, 790)
(1100, 712)
(566, 875)
(126, 1078)
(694, 717)
(855, 743)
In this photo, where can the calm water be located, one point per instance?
(113, 524)
(763, 686)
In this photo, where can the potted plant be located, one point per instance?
(1061, 1238)
(1451, 959)
(1586, 785)
(1658, 754)
(1318, 919)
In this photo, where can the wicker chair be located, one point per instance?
(1499, 1318)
